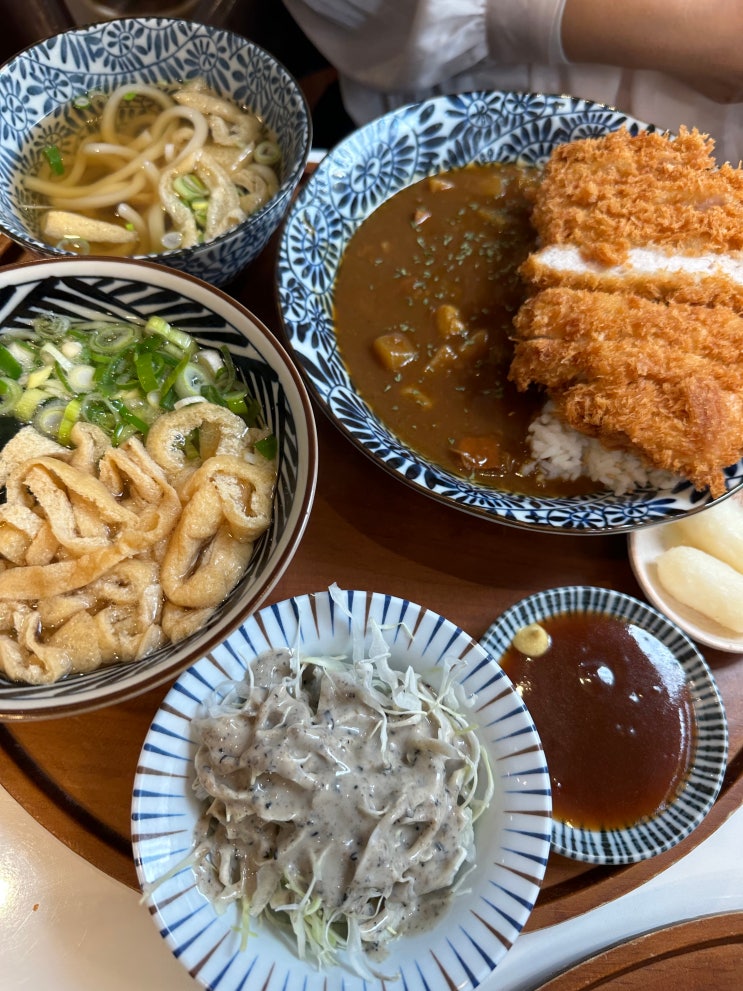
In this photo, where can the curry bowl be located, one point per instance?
(511, 836)
(622, 680)
(129, 294)
(362, 174)
(61, 88)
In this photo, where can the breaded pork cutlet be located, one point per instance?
(675, 425)
(639, 374)
(558, 318)
(643, 213)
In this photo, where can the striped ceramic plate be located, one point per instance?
(512, 837)
(701, 786)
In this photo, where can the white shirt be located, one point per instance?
(392, 52)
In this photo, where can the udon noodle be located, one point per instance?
(155, 171)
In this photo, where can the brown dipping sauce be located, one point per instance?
(615, 715)
(424, 302)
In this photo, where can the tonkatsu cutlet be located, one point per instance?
(644, 213)
(662, 380)
(716, 334)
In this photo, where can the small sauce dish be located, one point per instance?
(631, 721)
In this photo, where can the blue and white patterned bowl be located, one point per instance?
(358, 175)
(658, 833)
(126, 289)
(43, 80)
(512, 837)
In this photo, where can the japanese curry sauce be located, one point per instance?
(615, 716)
(424, 302)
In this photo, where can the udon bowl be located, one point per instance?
(129, 290)
(357, 176)
(42, 83)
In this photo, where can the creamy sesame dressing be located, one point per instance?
(340, 801)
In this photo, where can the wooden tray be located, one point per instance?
(75, 774)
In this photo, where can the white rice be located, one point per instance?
(560, 452)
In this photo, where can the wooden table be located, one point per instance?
(368, 530)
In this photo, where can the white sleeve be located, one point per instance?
(525, 31)
(414, 44)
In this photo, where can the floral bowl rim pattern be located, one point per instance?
(697, 794)
(129, 289)
(512, 837)
(40, 83)
(360, 173)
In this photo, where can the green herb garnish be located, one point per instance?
(54, 157)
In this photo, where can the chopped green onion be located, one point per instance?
(23, 351)
(148, 366)
(267, 153)
(9, 365)
(190, 381)
(268, 447)
(77, 245)
(199, 209)
(54, 157)
(235, 403)
(122, 432)
(48, 417)
(128, 417)
(39, 376)
(10, 393)
(28, 403)
(212, 395)
(96, 410)
(112, 338)
(114, 374)
(61, 372)
(81, 378)
(189, 187)
(156, 325)
(50, 326)
(69, 419)
(54, 355)
(172, 378)
(167, 400)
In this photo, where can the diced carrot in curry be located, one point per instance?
(420, 216)
(449, 320)
(439, 183)
(476, 346)
(443, 357)
(395, 350)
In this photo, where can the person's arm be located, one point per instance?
(695, 40)
(398, 44)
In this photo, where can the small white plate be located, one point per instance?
(645, 547)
